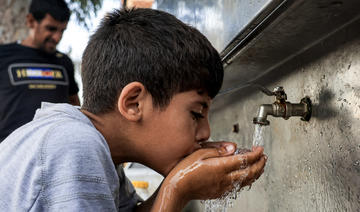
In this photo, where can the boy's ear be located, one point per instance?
(131, 101)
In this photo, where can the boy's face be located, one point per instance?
(177, 130)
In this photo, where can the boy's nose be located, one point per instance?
(203, 132)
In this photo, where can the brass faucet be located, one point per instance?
(282, 108)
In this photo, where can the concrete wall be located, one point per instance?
(12, 20)
(312, 166)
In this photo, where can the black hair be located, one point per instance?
(58, 9)
(148, 46)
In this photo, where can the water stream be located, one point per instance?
(228, 199)
(259, 135)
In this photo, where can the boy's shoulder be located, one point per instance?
(66, 127)
(56, 128)
(75, 135)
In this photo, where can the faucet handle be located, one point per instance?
(280, 94)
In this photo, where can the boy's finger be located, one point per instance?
(262, 171)
(250, 174)
(241, 161)
(216, 144)
(224, 148)
(239, 176)
(255, 155)
(234, 162)
(206, 153)
(256, 169)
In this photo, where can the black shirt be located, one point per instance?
(28, 77)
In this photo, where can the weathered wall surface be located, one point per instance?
(12, 20)
(312, 166)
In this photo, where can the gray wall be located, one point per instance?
(12, 20)
(312, 166)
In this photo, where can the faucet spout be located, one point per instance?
(264, 111)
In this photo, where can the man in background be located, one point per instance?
(32, 70)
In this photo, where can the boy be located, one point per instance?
(148, 82)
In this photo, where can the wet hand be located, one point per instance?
(211, 171)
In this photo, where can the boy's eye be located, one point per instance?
(196, 116)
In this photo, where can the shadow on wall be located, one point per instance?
(323, 110)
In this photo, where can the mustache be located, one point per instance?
(50, 40)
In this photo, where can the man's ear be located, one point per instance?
(131, 101)
(30, 21)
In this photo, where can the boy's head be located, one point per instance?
(47, 20)
(151, 47)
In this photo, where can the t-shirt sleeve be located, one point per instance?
(78, 173)
(73, 87)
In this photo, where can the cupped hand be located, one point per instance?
(213, 170)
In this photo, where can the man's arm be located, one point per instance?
(74, 100)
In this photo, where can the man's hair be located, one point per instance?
(58, 9)
(151, 47)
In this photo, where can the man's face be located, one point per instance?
(47, 33)
(177, 130)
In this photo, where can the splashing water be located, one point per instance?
(223, 203)
(227, 200)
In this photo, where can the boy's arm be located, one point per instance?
(205, 174)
